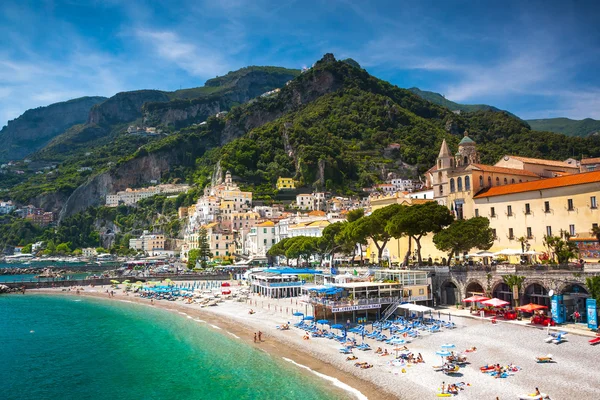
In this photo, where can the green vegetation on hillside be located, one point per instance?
(566, 126)
(438, 99)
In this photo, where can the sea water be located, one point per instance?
(66, 347)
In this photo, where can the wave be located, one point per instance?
(336, 382)
(233, 334)
(216, 327)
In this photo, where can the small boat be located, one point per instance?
(595, 340)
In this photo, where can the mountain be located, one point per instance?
(334, 127)
(566, 126)
(36, 127)
(438, 99)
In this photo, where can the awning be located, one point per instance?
(530, 307)
(495, 302)
(508, 252)
(415, 307)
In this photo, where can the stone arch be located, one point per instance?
(574, 296)
(535, 292)
(502, 291)
(449, 292)
(473, 287)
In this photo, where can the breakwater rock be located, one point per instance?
(6, 289)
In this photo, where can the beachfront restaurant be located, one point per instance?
(279, 283)
(416, 285)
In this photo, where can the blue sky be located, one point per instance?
(536, 59)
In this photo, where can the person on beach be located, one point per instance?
(443, 387)
(254, 337)
(259, 336)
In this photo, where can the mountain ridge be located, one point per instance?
(567, 126)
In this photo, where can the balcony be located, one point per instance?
(363, 302)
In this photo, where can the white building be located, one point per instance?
(88, 252)
(132, 196)
(6, 207)
(426, 194)
(261, 238)
(150, 243)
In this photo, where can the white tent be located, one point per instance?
(415, 307)
(481, 254)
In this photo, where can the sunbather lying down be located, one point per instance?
(470, 350)
(351, 358)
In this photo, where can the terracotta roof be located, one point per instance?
(266, 223)
(317, 213)
(502, 170)
(540, 161)
(586, 161)
(551, 183)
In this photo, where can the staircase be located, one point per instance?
(390, 309)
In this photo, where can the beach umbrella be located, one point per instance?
(309, 318)
(298, 314)
(530, 307)
(495, 302)
(323, 322)
(475, 299)
(337, 326)
(448, 346)
(443, 353)
(398, 341)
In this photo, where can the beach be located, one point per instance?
(573, 375)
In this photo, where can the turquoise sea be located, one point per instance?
(63, 347)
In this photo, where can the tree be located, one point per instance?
(192, 258)
(512, 281)
(63, 249)
(593, 284)
(596, 232)
(561, 247)
(418, 220)
(374, 227)
(355, 214)
(27, 249)
(278, 249)
(203, 247)
(464, 234)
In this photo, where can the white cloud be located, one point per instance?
(195, 59)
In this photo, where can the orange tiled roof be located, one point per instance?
(587, 161)
(551, 183)
(317, 213)
(502, 170)
(540, 161)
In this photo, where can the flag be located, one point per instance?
(355, 272)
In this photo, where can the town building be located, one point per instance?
(132, 196)
(6, 207)
(261, 238)
(88, 252)
(590, 164)
(150, 243)
(533, 210)
(285, 183)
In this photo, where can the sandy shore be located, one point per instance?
(574, 375)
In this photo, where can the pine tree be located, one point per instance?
(203, 247)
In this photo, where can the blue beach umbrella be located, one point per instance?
(298, 314)
(448, 346)
(337, 326)
(309, 318)
(443, 353)
(323, 322)
(398, 341)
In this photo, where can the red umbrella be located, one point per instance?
(475, 299)
(225, 284)
(531, 307)
(495, 302)
(226, 291)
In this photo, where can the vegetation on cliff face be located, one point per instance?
(566, 126)
(440, 100)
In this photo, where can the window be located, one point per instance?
(505, 181)
(264, 230)
(529, 234)
(468, 183)
(481, 181)
(593, 203)
(264, 241)
(452, 188)
(497, 181)
(441, 190)
(594, 225)
(216, 253)
(272, 241)
(547, 206)
(572, 230)
(477, 212)
(489, 181)
(509, 211)
(492, 212)
(494, 233)
(570, 205)
(421, 291)
(548, 231)
(512, 180)
(511, 234)
(527, 209)
(216, 245)
(459, 184)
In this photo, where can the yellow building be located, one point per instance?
(285, 183)
(544, 207)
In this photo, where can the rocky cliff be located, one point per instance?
(35, 128)
(124, 107)
(225, 92)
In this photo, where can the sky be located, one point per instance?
(536, 59)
